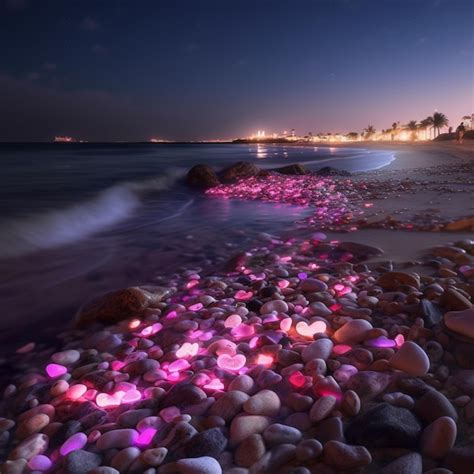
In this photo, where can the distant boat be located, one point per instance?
(60, 139)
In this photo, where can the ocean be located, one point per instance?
(78, 220)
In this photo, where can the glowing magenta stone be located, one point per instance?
(188, 349)
(229, 362)
(40, 462)
(242, 295)
(75, 392)
(75, 442)
(306, 330)
(178, 365)
(381, 341)
(297, 379)
(146, 437)
(55, 370)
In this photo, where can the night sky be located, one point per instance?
(199, 69)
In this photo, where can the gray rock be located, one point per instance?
(433, 405)
(206, 443)
(430, 312)
(408, 464)
(202, 176)
(80, 461)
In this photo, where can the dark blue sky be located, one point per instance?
(131, 70)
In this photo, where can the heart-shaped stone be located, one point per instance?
(229, 362)
(309, 330)
(188, 349)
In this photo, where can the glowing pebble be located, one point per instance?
(339, 287)
(146, 437)
(178, 365)
(265, 360)
(381, 341)
(232, 321)
(134, 323)
(40, 462)
(242, 295)
(188, 349)
(76, 391)
(117, 364)
(214, 384)
(104, 400)
(131, 396)
(73, 443)
(151, 330)
(399, 340)
(229, 362)
(309, 330)
(283, 284)
(297, 379)
(55, 370)
(285, 324)
(302, 275)
(243, 330)
(196, 307)
(341, 349)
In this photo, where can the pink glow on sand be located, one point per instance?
(188, 349)
(55, 370)
(309, 330)
(75, 442)
(232, 363)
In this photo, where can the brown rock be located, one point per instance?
(239, 170)
(202, 176)
(394, 280)
(249, 451)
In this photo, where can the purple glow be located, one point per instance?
(40, 462)
(381, 341)
(55, 370)
(75, 442)
(146, 437)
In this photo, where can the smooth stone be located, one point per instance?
(104, 470)
(246, 425)
(385, 426)
(433, 405)
(80, 461)
(430, 312)
(312, 285)
(318, 308)
(353, 331)
(392, 281)
(461, 322)
(210, 442)
(131, 418)
(202, 465)
(345, 457)
(360, 250)
(329, 429)
(68, 357)
(274, 305)
(281, 434)
(408, 464)
(18, 466)
(249, 451)
(154, 456)
(229, 405)
(320, 349)
(460, 459)
(438, 438)
(125, 458)
(35, 444)
(350, 404)
(464, 381)
(121, 438)
(202, 176)
(411, 359)
(308, 449)
(322, 408)
(368, 384)
(32, 425)
(274, 459)
(454, 301)
(265, 402)
(242, 383)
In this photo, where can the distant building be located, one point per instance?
(61, 139)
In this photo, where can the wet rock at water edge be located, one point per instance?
(202, 176)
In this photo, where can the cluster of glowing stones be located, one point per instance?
(309, 330)
(105, 400)
(231, 363)
(73, 443)
(188, 349)
(55, 370)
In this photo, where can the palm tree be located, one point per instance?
(369, 131)
(426, 124)
(439, 121)
(412, 125)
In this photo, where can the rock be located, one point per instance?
(392, 281)
(430, 312)
(308, 449)
(312, 285)
(320, 349)
(438, 438)
(154, 456)
(202, 465)
(433, 405)
(35, 444)
(104, 470)
(265, 402)
(125, 458)
(345, 457)
(293, 169)
(274, 459)
(249, 451)
(464, 381)
(460, 459)
(80, 461)
(350, 404)
(32, 425)
(239, 170)
(385, 426)
(202, 176)
(121, 438)
(206, 443)
(411, 359)
(329, 429)
(118, 305)
(281, 434)
(452, 300)
(461, 322)
(368, 384)
(242, 383)
(229, 404)
(353, 331)
(322, 408)
(408, 464)
(466, 224)
(246, 425)
(360, 250)
(130, 418)
(184, 394)
(330, 171)
(274, 305)
(19, 466)
(66, 357)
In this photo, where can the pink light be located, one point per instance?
(131, 396)
(242, 295)
(335, 307)
(302, 275)
(306, 330)
(214, 384)
(283, 284)
(55, 370)
(265, 360)
(104, 400)
(297, 379)
(196, 307)
(232, 363)
(232, 321)
(151, 330)
(243, 330)
(253, 342)
(76, 391)
(399, 340)
(341, 349)
(191, 284)
(381, 341)
(117, 365)
(187, 350)
(40, 462)
(172, 315)
(178, 365)
(285, 324)
(134, 323)
(146, 437)
(338, 287)
(75, 442)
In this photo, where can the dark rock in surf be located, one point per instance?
(239, 170)
(330, 171)
(202, 176)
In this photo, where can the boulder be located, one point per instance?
(202, 176)
(239, 170)
(330, 171)
(293, 169)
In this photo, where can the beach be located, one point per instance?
(342, 340)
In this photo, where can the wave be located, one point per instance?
(55, 228)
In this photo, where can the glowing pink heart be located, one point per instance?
(242, 295)
(309, 330)
(104, 400)
(75, 392)
(188, 349)
(232, 321)
(131, 396)
(146, 437)
(177, 365)
(214, 384)
(233, 363)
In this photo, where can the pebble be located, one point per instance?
(154, 456)
(121, 438)
(461, 322)
(308, 449)
(408, 464)
(350, 404)
(33, 445)
(312, 285)
(202, 465)
(433, 405)
(320, 349)
(243, 426)
(281, 434)
(250, 450)
(411, 359)
(322, 408)
(32, 425)
(66, 357)
(265, 402)
(275, 305)
(345, 457)
(229, 404)
(80, 461)
(438, 438)
(354, 331)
